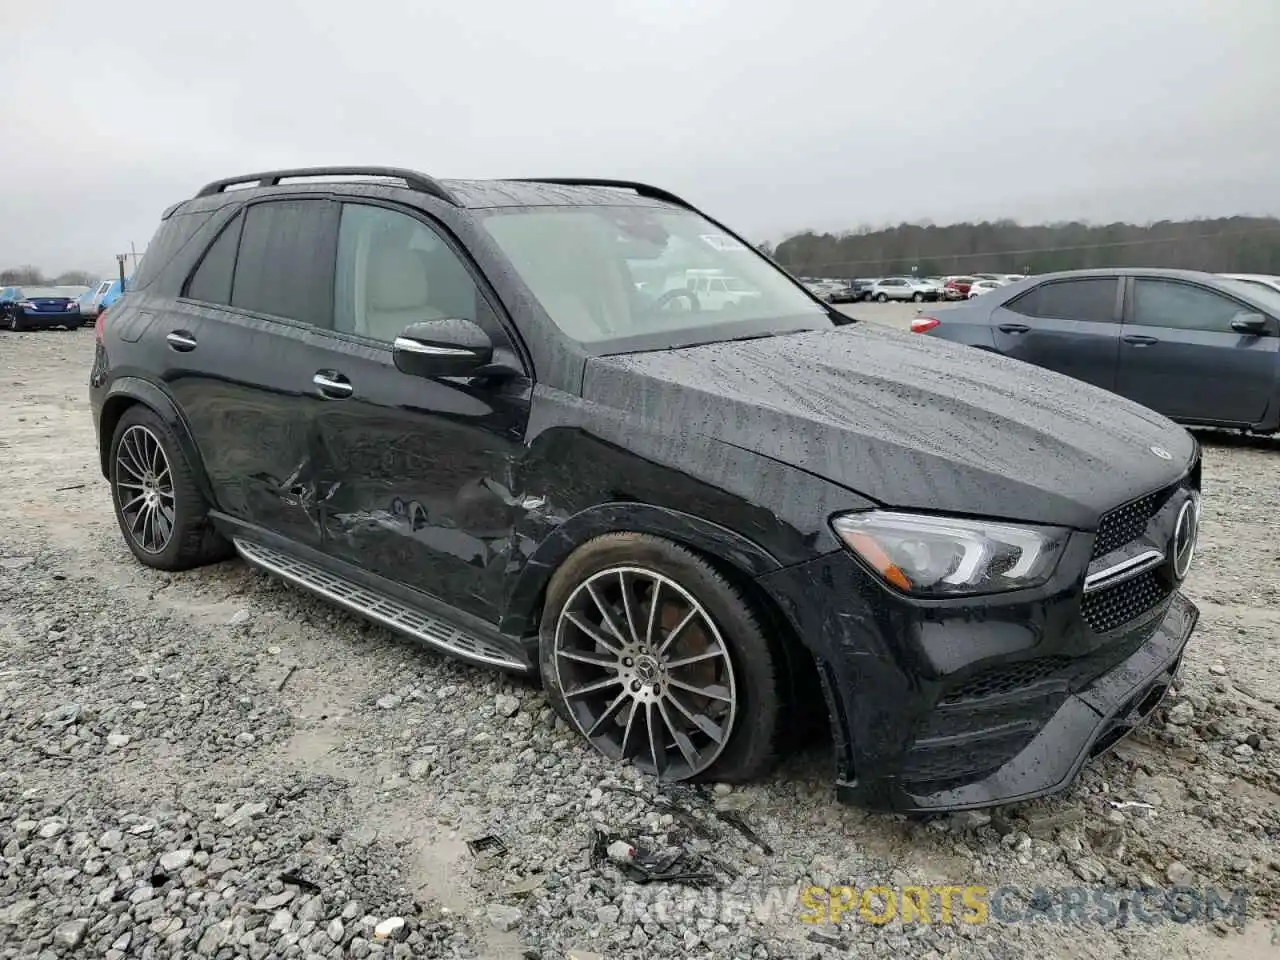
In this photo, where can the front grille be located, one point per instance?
(1125, 524)
(1114, 606)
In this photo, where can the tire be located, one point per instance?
(742, 665)
(15, 325)
(882, 298)
(192, 541)
(917, 297)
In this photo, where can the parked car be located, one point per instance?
(91, 301)
(904, 288)
(403, 395)
(113, 294)
(38, 308)
(956, 288)
(864, 286)
(1198, 348)
(845, 291)
(1263, 280)
(979, 287)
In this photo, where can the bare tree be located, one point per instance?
(76, 278)
(15, 276)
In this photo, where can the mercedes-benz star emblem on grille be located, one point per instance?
(1185, 532)
(1162, 453)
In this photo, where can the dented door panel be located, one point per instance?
(415, 475)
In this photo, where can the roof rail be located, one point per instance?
(643, 189)
(271, 178)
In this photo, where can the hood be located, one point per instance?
(908, 421)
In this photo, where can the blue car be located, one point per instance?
(113, 294)
(38, 308)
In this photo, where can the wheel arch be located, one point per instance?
(128, 392)
(737, 558)
(719, 544)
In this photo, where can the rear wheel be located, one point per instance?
(657, 659)
(918, 297)
(161, 512)
(882, 298)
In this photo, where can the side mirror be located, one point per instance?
(1249, 323)
(452, 347)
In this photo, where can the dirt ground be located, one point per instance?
(315, 685)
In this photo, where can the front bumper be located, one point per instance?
(1087, 724)
(943, 706)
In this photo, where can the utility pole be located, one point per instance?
(120, 262)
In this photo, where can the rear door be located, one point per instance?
(1070, 326)
(1180, 356)
(243, 359)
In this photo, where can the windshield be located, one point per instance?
(30, 293)
(1257, 291)
(620, 279)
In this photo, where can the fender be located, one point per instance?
(524, 599)
(126, 391)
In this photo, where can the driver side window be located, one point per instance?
(394, 270)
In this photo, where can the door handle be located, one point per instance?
(332, 384)
(1013, 328)
(182, 341)
(1138, 340)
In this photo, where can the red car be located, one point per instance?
(957, 288)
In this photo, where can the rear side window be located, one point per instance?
(171, 236)
(1092, 300)
(1163, 303)
(285, 262)
(212, 280)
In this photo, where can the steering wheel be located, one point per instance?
(672, 295)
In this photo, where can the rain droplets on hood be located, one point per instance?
(906, 420)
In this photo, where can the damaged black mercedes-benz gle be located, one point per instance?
(578, 429)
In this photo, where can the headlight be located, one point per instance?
(933, 556)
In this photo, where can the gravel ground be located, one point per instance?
(214, 765)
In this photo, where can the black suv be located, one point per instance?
(496, 416)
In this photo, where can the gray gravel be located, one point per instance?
(214, 765)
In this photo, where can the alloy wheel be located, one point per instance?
(144, 489)
(645, 673)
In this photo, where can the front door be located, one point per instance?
(1070, 326)
(417, 475)
(1180, 356)
(241, 360)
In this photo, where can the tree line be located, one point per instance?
(29, 276)
(1225, 244)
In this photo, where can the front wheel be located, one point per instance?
(15, 324)
(659, 660)
(882, 298)
(917, 297)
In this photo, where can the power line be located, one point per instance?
(1147, 241)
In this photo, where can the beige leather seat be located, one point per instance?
(396, 291)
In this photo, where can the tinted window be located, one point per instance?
(1163, 303)
(283, 266)
(212, 280)
(1093, 300)
(393, 270)
(171, 236)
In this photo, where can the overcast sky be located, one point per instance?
(773, 116)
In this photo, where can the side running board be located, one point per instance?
(384, 610)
